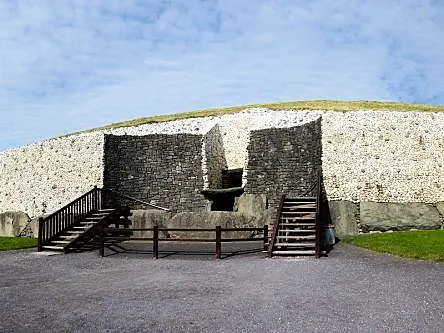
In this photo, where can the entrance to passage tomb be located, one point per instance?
(223, 199)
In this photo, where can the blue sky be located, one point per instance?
(72, 65)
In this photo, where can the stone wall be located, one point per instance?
(44, 176)
(236, 129)
(213, 161)
(162, 169)
(284, 161)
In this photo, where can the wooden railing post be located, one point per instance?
(94, 198)
(155, 242)
(266, 237)
(218, 242)
(275, 227)
(100, 198)
(40, 235)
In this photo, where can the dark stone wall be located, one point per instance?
(284, 161)
(162, 169)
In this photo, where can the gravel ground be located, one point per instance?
(352, 290)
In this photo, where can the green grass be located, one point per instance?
(298, 105)
(425, 245)
(15, 243)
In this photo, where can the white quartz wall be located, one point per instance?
(45, 176)
(383, 156)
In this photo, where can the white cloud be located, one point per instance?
(67, 66)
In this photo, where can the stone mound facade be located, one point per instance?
(366, 156)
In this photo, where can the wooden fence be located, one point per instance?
(117, 235)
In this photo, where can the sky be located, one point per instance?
(72, 65)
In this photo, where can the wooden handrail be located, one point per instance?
(53, 225)
(318, 218)
(70, 204)
(275, 228)
(135, 199)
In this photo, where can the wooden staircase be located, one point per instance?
(76, 226)
(297, 229)
(82, 235)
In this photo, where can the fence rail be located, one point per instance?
(106, 234)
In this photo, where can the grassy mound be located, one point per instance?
(426, 245)
(299, 105)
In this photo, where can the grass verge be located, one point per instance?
(298, 105)
(16, 243)
(425, 245)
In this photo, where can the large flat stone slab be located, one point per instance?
(379, 216)
(440, 208)
(250, 204)
(343, 215)
(11, 223)
(147, 218)
(197, 220)
(213, 219)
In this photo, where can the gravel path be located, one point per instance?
(352, 290)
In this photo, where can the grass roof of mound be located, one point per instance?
(298, 105)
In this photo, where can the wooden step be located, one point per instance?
(68, 236)
(302, 224)
(94, 218)
(60, 242)
(298, 244)
(106, 210)
(305, 231)
(294, 252)
(50, 247)
(299, 206)
(295, 217)
(73, 232)
(299, 198)
(297, 237)
(298, 213)
(83, 228)
(88, 222)
(296, 209)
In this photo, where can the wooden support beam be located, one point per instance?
(155, 242)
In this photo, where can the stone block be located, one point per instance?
(11, 223)
(250, 204)
(343, 215)
(440, 208)
(382, 216)
(213, 219)
(147, 219)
